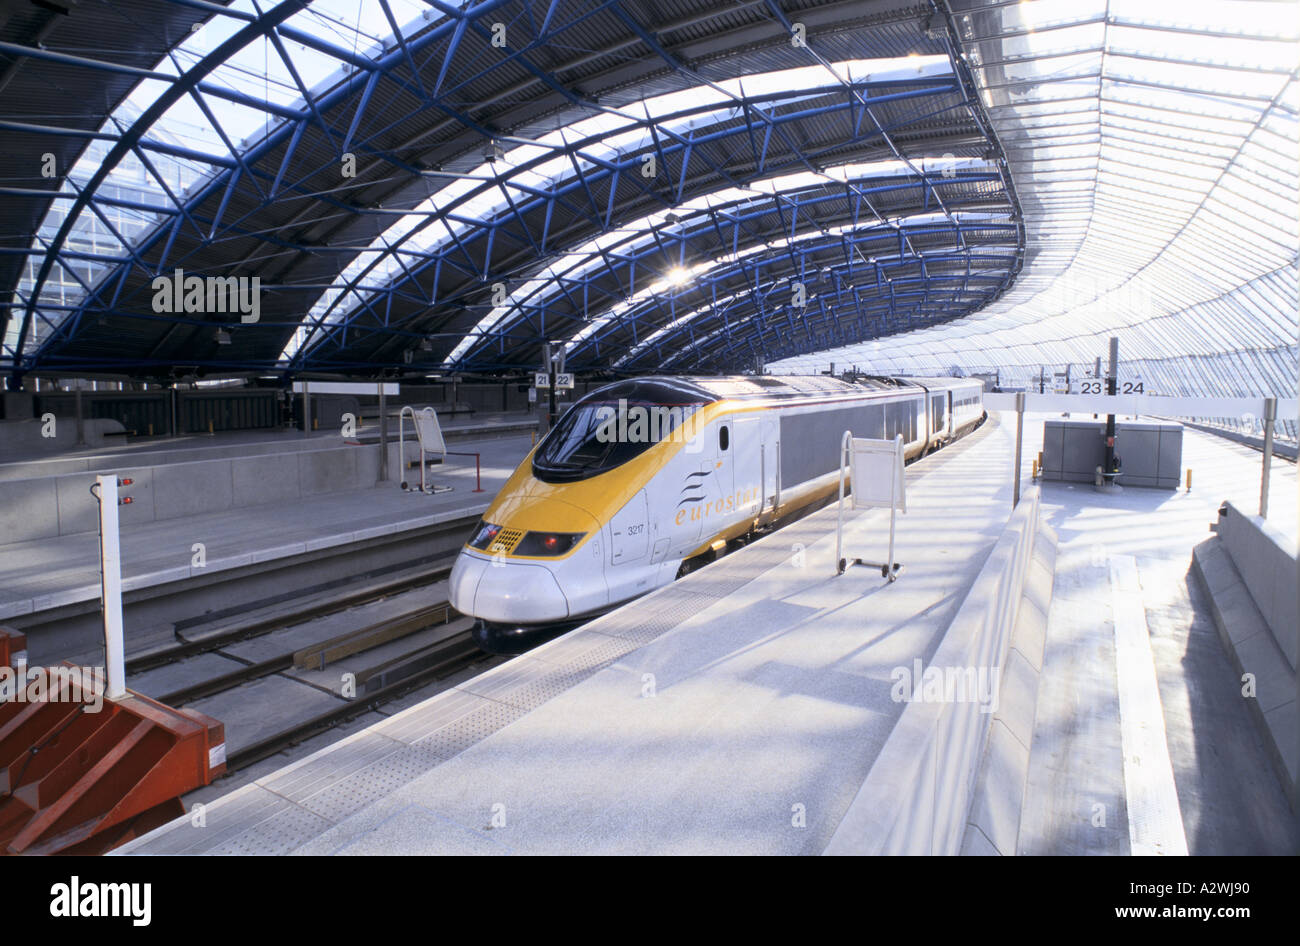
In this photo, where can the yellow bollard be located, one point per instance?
(534, 438)
(315, 423)
(151, 430)
(209, 427)
(1189, 479)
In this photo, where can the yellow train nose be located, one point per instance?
(532, 527)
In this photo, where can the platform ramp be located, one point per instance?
(922, 787)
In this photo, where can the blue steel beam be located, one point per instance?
(926, 91)
(583, 182)
(758, 211)
(257, 25)
(488, 233)
(187, 81)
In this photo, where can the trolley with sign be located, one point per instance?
(875, 469)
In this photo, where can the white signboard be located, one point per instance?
(347, 387)
(1098, 386)
(876, 471)
(541, 380)
(1233, 407)
(877, 474)
(563, 382)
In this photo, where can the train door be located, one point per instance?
(746, 464)
(770, 460)
(719, 454)
(629, 535)
(952, 417)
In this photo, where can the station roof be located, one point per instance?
(683, 186)
(688, 184)
(1156, 155)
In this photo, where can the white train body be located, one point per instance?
(641, 476)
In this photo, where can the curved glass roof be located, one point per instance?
(611, 169)
(1156, 154)
(980, 185)
(195, 138)
(581, 148)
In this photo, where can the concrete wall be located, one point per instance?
(1266, 560)
(216, 449)
(993, 825)
(17, 405)
(1150, 452)
(1249, 573)
(62, 505)
(918, 796)
(26, 437)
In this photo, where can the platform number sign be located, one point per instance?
(563, 382)
(1098, 386)
(541, 380)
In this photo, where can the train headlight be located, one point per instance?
(548, 543)
(484, 536)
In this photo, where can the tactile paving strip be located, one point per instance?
(222, 821)
(590, 650)
(318, 772)
(279, 834)
(349, 795)
(641, 626)
(469, 730)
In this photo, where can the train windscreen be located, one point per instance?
(611, 426)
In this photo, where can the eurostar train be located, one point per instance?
(642, 480)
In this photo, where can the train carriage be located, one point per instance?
(643, 479)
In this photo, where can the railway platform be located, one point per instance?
(273, 515)
(743, 709)
(761, 678)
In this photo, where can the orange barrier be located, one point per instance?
(80, 774)
(13, 645)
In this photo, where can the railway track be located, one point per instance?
(448, 656)
(265, 620)
(362, 639)
(406, 636)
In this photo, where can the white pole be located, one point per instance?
(846, 447)
(1270, 418)
(110, 568)
(893, 500)
(1020, 424)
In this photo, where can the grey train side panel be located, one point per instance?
(810, 442)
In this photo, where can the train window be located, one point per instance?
(724, 437)
(609, 427)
